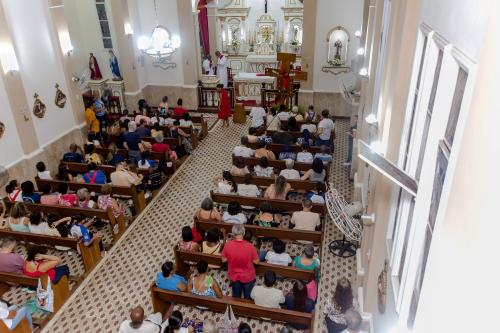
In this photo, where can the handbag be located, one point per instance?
(45, 297)
(229, 323)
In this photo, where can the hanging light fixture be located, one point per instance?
(161, 45)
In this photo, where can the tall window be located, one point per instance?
(104, 24)
(442, 160)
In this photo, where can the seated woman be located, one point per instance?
(84, 198)
(297, 300)
(167, 279)
(287, 153)
(207, 211)
(19, 218)
(292, 125)
(307, 261)
(262, 169)
(318, 195)
(94, 176)
(38, 263)
(91, 156)
(187, 243)
(106, 201)
(212, 244)
(62, 173)
(262, 151)
(266, 218)
(156, 131)
(48, 198)
(186, 120)
(278, 190)
(234, 214)
(239, 168)
(305, 156)
(225, 184)
(317, 172)
(248, 189)
(114, 157)
(146, 162)
(202, 284)
(305, 138)
(278, 255)
(65, 198)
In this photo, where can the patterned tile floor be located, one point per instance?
(123, 278)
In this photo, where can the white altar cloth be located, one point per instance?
(248, 85)
(258, 63)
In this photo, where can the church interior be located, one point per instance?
(249, 166)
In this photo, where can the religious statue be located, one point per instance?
(95, 72)
(113, 64)
(60, 99)
(38, 108)
(338, 46)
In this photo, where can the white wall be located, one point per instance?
(257, 9)
(329, 14)
(40, 64)
(169, 18)
(85, 32)
(10, 145)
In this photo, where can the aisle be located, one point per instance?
(123, 279)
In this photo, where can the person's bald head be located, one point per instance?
(136, 317)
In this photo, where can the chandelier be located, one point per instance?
(161, 45)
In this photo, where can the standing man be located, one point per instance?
(221, 68)
(207, 65)
(351, 135)
(325, 129)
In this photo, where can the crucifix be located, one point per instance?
(286, 75)
(265, 6)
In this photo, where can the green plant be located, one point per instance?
(335, 62)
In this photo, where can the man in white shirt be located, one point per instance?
(354, 321)
(221, 68)
(124, 177)
(305, 156)
(137, 323)
(290, 173)
(305, 219)
(308, 126)
(267, 295)
(12, 316)
(207, 65)
(242, 149)
(258, 116)
(283, 114)
(248, 189)
(325, 129)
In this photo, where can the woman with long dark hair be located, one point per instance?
(278, 190)
(297, 300)
(342, 300)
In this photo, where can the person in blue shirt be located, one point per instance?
(167, 279)
(28, 192)
(132, 141)
(73, 155)
(94, 176)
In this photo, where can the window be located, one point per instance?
(104, 24)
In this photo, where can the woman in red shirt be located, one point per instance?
(38, 263)
(240, 256)
(224, 105)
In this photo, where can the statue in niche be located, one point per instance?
(2, 129)
(39, 108)
(60, 99)
(95, 72)
(338, 45)
(113, 64)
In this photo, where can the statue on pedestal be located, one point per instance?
(113, 64)
(95, 72)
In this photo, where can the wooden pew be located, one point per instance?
(284, 123)
(277, 205)
(163, 300)
(181, 257)
(297, 185)
(91, 254)
(120, 221)
(278, 148)
(315, 237)
(188, 130)
(124, 152)
(132, 191)
(23, 327)
(280, 165)
(107, 169)
(61, 289)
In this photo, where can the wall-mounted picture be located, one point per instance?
(39, 108)
(60, 99)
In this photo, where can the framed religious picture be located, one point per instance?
(60, 99)
(2, 129)
(39, 108)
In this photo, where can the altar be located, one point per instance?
(248, 85)
(257, 63)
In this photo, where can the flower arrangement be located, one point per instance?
(335, 62)
(235, 41)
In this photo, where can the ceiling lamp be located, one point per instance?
(161, 45)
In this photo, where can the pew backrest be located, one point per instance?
(280, 165)
(278, 148)
(303, 185)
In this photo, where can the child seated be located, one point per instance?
(43, 173)
(277, 255)
(267, 295)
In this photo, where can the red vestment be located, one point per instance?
(224, 105)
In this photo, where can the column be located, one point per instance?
(306, 94)
(56, 10)
(17, 96)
